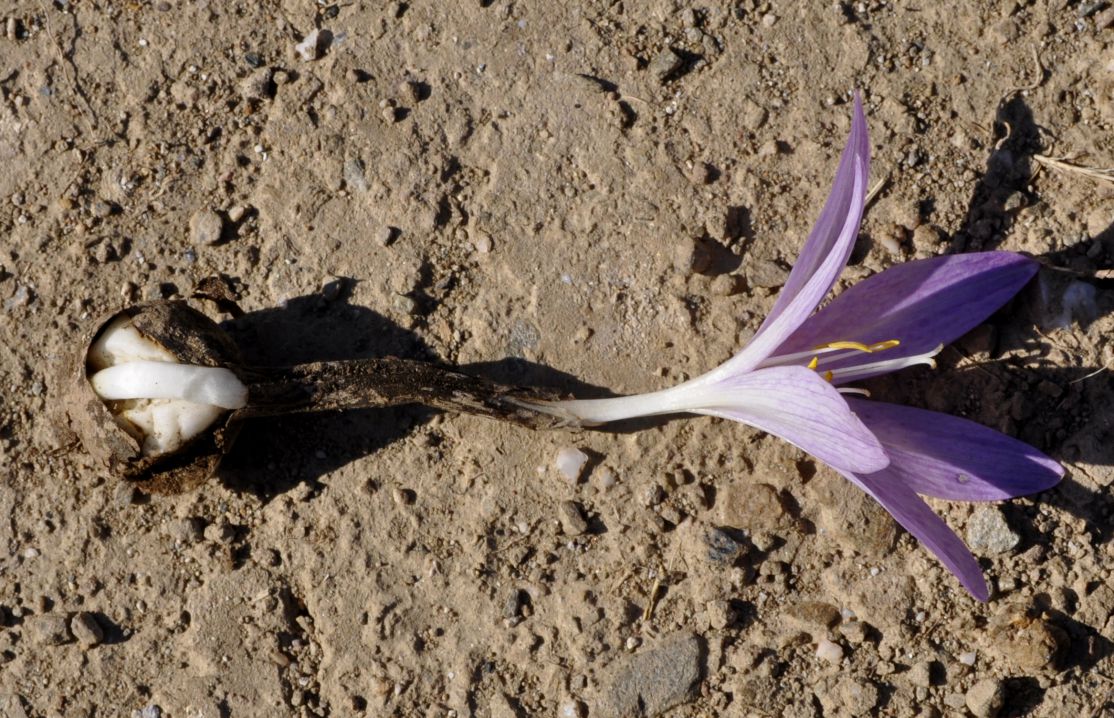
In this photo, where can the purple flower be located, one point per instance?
(787, 380)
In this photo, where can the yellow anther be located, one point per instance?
(814, 363)
(859, 346)
(828, 375)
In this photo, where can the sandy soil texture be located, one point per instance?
(586, 195)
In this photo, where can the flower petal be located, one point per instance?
(889, 489)
(823, 257)
(923, 304)
(952, 458)
(797, 405)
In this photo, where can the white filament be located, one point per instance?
(862, 371)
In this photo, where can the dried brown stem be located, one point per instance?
(390, 381)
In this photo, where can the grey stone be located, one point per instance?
(665, 63)
(572, 518)
(205, 227)
(49, 630)
(766, 274)
(653, 680)
(858, 697)
(988, 532)
(721, 548)
(354, 175)
(86, 629)
(985, 698)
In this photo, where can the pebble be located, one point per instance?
(383, 235)
(955, 700)
(188, 530)
(725, 285)
(206, 227)
(988, 532)
(665, 63)
(403, 497)
(752, 115)
(86, 629)
(125, 494)
(572, 518)
(220, 532)
(257, 85)
(766, 274)
(702, 173)
(968, 658)
(236, 212)
(411, 90)
(354, 175)
(481, 242)
(854, 631)
(652, 681)
(891, 237)
(49, 630)
(308, 48)
(927, 238)
(721, 614)
(920, 674)
(812, 617)
(691, 256)
(829, 651)
(752, 506)
(570, 463)
(721, 548)
(985, 698)
(1030, 644)
(858, 697)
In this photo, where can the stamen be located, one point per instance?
(828, 376)
(832, 351)
(862, 371)
(814, 363)
(858, 346)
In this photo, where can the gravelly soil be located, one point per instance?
(583, 195)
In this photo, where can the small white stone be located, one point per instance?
(968, 658)
(307, 48)
(603, 478)
(829, 651)
(569, 462)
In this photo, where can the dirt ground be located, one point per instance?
(584, 195)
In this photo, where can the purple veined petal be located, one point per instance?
(952, 458)
(923, 304)
(910, 510)
(798, 406)
(823, 257)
